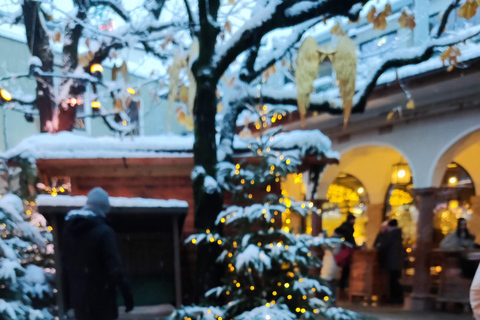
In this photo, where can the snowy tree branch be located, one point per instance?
(249, 73)
(330, 102)
(157, 10)
(446, 15)
(275, 15)
(191, 18)
(115, 6)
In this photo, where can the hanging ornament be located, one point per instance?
(345, 65)
(123, 70)
(308, 64)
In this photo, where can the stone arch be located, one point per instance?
(371, 163)
(463, 149)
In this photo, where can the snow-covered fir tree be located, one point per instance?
(26, 292)
(267, 267)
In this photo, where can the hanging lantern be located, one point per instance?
(401, 174)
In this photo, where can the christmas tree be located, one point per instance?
(26, 262)
(267, 266)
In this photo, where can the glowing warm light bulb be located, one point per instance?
(96, 104)
(401, 173)
(96, 67)
(5, 95)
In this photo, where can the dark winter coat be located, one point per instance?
(92, 266)
(346, 230)
(390, 249)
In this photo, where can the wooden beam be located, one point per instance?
(58, 267)
(177, 266)
(158, 167)
(166, 211)
(117, 171)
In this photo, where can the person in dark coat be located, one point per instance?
(390, 247)
(346, 231)
(92, 261)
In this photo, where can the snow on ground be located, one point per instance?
(80, 201)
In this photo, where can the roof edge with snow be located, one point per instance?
(64, 203)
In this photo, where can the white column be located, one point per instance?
(474, 223)
(421, 31)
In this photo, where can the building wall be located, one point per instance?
(155, 116)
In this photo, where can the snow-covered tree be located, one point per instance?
(68, 41)
(267, 266)
(26, 272)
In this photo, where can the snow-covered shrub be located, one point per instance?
(26, 292)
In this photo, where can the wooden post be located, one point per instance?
(375, 219)
(317, 226)
(58, 267)
(176, 259)
(317, 229)
(421, 298)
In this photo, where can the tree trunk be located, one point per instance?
(38, 43)
(76, 88)
(207, 206)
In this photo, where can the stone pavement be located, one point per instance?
(397, 313)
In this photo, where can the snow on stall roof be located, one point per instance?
(66, 145)
(80, 201)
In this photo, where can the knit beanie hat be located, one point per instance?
(97, 201)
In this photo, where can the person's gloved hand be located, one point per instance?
(129, 305)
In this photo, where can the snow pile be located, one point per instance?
(305, 140)
(115, 202)
(277, 312)
(210, 185)
(255, 257)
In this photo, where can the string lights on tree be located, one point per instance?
(267, 265)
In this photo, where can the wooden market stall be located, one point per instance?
(148, 236)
